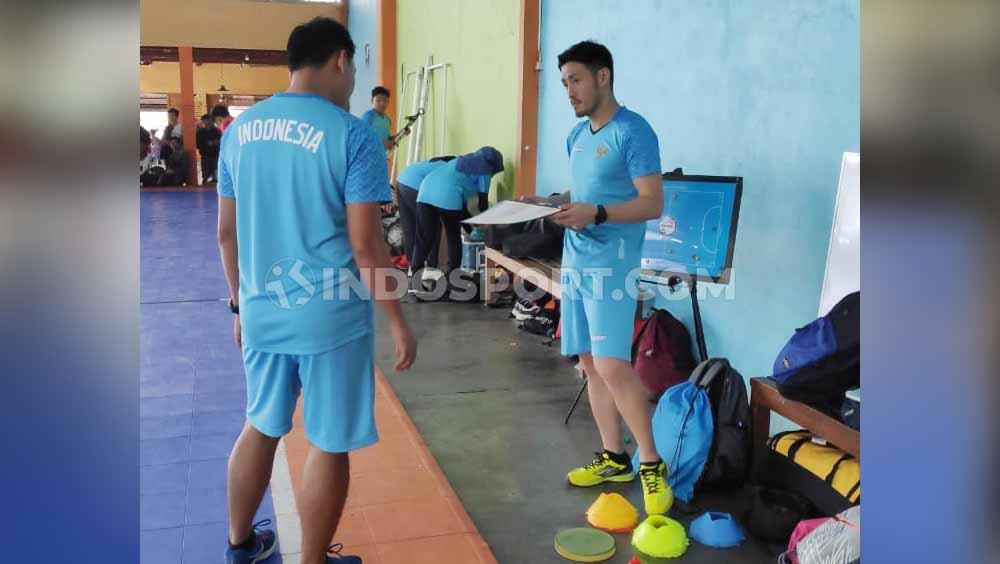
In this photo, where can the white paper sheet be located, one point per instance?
(509, 211)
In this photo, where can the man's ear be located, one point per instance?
(343, 61)
(604, 76)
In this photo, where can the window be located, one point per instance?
(153, 119)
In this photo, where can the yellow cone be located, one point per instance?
(659, 537)
(612, 513)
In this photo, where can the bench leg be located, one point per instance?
(761, 429)
(488, 281)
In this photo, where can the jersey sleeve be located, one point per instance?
(225, 184)
(641, 149)
(367, 178)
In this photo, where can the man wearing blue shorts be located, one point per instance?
(615, 188)
(300, 182)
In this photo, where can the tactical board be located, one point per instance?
(696, 233)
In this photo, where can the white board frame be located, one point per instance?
(843, 258)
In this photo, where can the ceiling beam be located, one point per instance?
(149, 54)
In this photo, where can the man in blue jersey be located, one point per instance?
(300, 182)
(615, 188)
(378, 118)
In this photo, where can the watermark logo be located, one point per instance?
(289, 283)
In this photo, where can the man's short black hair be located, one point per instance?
(173, 111)
(380, 90)
(591, 54)
(220, 111)
(313, 43)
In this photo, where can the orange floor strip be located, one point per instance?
(400, 508)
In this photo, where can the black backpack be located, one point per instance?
(539, 239)
(728, 465)
(823, 382)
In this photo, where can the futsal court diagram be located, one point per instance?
(689, 234)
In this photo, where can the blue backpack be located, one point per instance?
(822, 360)
(683, 429)
(809, 344)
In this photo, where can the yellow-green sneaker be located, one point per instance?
(602, 469)
(656, 494)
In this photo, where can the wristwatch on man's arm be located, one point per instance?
(234, 307)
(602, 215)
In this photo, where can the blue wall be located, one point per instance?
(361, 19)
(764, 89)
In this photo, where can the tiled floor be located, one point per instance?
(192, 390)
(400, 508)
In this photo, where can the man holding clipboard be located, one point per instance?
(616, 187)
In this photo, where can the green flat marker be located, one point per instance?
(584, 545)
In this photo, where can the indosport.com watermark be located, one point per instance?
(290, 284)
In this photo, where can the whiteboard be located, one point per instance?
(843, 258)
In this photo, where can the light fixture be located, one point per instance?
(222, 82)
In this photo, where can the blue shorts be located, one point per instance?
(600, 323)
(339, 390)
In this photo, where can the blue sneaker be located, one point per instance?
(334, 556)
(264, 543)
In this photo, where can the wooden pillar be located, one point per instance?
(385, 52)
(189, 122)
(527, 101)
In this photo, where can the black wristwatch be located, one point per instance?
(234, 307)
(602, 215)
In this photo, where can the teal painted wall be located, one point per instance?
(764, 89)
(361, 21)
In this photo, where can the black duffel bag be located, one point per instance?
(539, 239)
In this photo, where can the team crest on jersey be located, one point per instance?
(601, 151)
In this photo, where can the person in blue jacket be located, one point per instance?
(442, 198)
(407, 184)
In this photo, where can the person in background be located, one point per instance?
(177, 164)
(407, 184)
(208, 141)
(379, 119)
(220, 114)
(158, 149)
(173, 128)
(145, 159)
(441, 199)
(144, 142)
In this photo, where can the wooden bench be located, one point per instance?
(765, 398)
(544, 274)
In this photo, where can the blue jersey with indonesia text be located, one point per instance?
(293, 163)
(603, 165)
